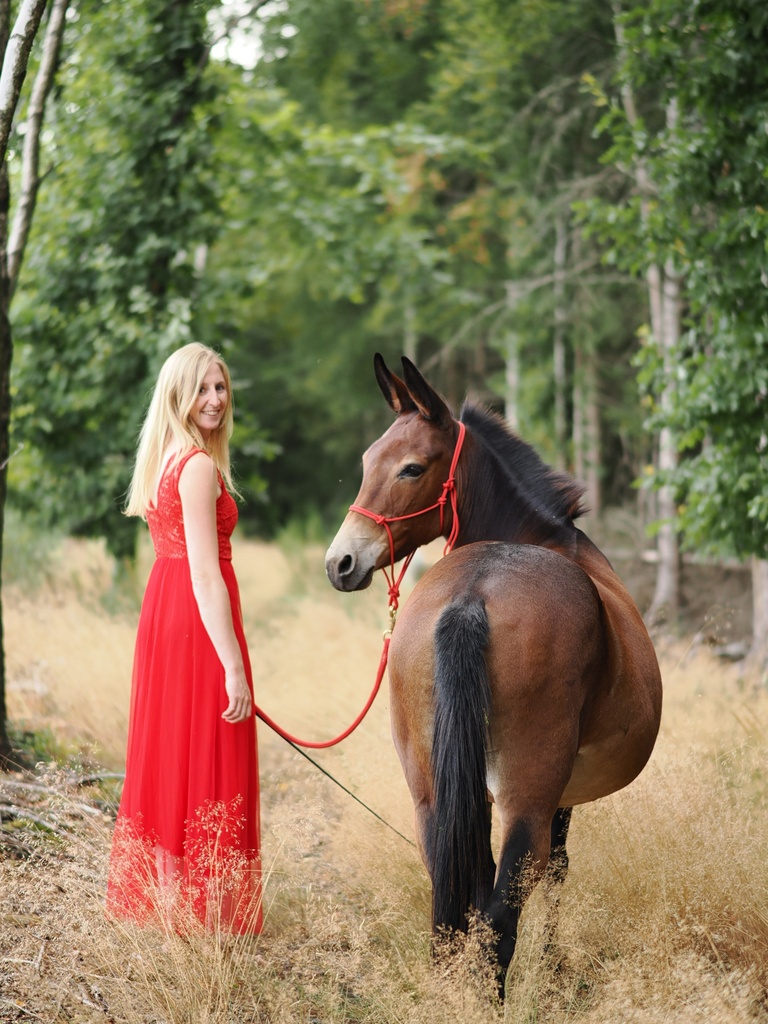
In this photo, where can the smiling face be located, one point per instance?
(211, 401)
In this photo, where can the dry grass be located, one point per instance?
(664, 917)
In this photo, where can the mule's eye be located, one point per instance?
(411, 471)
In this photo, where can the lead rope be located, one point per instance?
(349, 792)
(393, 591)
(350, 729)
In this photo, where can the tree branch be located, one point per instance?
(30, 160)
(5, 24)
(231, 22)
(15, 61)
(517, 290)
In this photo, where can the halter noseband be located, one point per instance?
(449, 489)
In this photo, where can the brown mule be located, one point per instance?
(520, 668)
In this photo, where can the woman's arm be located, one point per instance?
(199, 489)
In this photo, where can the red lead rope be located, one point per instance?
(332, 743)
(448, 493)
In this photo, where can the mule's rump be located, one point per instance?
(575, 708)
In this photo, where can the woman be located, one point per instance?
(186, 841)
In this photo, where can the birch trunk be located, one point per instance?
(757, 659)
(665, 310)
(586, 428)
(30, 158)
(577, 424)
(15, 62)
(558, 343)
(5, 402)
(593, 452)
(15, 49)
(666, 598)
(6, 355)
(512, 380)
(410, 341)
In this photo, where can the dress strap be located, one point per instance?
(175, 469)
(186, 457)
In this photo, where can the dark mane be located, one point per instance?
(547, 493)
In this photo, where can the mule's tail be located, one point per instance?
(461, 858)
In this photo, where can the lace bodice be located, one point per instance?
(166, 523)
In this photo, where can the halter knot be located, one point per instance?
(449, 487)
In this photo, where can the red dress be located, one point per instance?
(186, 843)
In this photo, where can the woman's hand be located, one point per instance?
(240, 705)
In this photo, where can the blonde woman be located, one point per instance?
(186, 843)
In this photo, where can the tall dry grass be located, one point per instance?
(663, 918)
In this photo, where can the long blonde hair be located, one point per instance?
(169, 426)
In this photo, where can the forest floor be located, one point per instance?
(664, 916)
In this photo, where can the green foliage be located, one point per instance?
(319, 258)
(38, 746)
(421, 220)
(110, 271)
(354, 63)
(704, 63)
(376, 182)
(27, 551)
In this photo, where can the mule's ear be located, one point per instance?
(393, 389)
(430, 405)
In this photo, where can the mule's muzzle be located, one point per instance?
(346, 572)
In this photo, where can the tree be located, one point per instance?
(386, 176)
(433, 229)
(707, 217)
(130, 199)
(665, 307)
(16, 47)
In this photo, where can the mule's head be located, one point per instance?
(403, 473)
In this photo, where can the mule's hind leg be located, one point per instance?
(557, 869)
(524, 854)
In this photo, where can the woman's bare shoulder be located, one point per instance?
(198, 469)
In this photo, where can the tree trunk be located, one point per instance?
(578, 429)
(30, 158)
(6, 354)
(512, 380)
(5, 405)
(665, 603)
(757, 660)
(593, 451)
(665, 311)
(558, 343)
(15, 61)
(586, 428)
(16, 50)
(410, 339)
(666, 599)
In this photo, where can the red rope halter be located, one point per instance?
(448, 493)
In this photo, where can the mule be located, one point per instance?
(521, 672)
